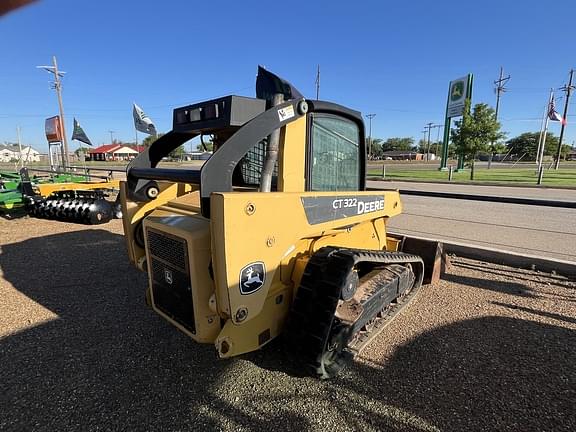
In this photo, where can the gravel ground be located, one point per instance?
(488, 348)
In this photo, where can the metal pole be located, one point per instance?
(370, 117)
(541, 133)
(59, 93)
(540, 174)
(429, 126)
(19, 148)
(568, 89)
(542, 147)
(318, 82)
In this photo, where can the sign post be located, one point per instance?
(459, 91)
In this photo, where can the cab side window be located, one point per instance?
(334, 158)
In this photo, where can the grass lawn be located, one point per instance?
(561, 177)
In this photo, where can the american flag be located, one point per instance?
(552, 114)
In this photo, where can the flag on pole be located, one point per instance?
(552, 114)
(79, 133)
(142, 122)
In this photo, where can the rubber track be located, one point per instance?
(315, 304)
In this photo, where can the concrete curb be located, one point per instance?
(499, 256)
(491, 198)
(487, 198)
(471, 183)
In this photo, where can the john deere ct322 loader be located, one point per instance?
(274, 235)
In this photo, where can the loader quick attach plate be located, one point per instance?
(171, 287)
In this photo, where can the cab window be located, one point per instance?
(334, 157)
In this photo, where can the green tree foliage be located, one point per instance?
(435, 147)
(527, 144)
(376, 149)
(146, 142)
(476, 131)
(81, 151)
(177, 153)
(398, 144)
(208, 143)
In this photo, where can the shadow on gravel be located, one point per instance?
(513, 288)
(538, 312)
(107, 362)
(523, 275)
(484, 374)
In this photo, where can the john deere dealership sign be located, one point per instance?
(457, 97)
(460, 89)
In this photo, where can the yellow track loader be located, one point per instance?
(274, 235)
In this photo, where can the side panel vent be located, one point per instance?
(171, 287)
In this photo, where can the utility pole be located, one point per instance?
(111, 136)
(370, 117)
(318, 82)
(500, 83)
(429, 126)
(568, 89)
(427, 129)
(58, 87)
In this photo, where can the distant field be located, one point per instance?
(561, 177)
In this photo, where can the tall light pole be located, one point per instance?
(58, 87)
(370, 117)
(111, 136)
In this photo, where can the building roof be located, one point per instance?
(14, 148)
(113, 148)
(106, 148)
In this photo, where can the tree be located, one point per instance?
(177, 153)
(81, 151)
(435, 147)
(476, 131)
(147, 142)
(405, 144)
(209, 146)
(376, 148)
(526, 145)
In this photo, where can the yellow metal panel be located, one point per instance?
(292, 157)
(46, 189)
(239, 339)
(267, 227)
(133, 212)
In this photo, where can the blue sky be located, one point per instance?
(391, 59)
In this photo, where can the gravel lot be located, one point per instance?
(489, 348)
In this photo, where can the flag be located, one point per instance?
(79, 133)
(268, 84)
(142, 122)
(552, 114)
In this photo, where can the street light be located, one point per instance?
(58, 87)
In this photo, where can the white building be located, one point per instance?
(11, 153)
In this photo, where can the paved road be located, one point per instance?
(534, 230)
(517, 191)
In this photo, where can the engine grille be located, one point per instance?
(172, 250)
(171, 286)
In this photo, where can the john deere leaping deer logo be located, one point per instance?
(252, 277)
